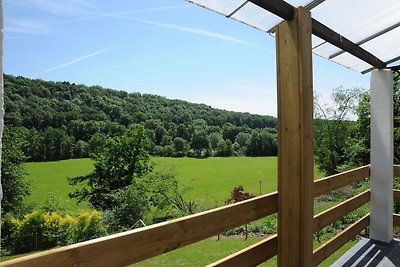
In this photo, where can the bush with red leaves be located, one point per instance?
(238, 195)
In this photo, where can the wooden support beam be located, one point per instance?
(333, 182)
(295, 141)
(251, 256)
(278, 7)
(327, 249)
(345, 44)
(335, 213)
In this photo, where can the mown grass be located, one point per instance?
(51, 177)
(210, 181)
(211, 250)
(205, 181)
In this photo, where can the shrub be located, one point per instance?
(8, 227)
(238, 195)
(28, 235)
(52, 204)
(38, 230)
(88, 225)
(130, 206)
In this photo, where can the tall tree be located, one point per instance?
(333, 128)
(13, 180)
(124, 159)
(200, 143)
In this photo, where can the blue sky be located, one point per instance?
(169, 48)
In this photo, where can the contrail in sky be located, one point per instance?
(95, 15)
(197, 31)
(79, 59)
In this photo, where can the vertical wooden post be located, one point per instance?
(295, 141)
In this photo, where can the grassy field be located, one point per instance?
(211, 180)
(51, 177)
(211, 250)
(205, 181)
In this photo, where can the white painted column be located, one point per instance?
(381, 223)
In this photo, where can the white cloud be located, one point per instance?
(65, 7)
(26, 26)
(126, 64)
(193, 30)
(74, 61)
(95, 15)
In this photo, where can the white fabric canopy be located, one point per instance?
(373, 24)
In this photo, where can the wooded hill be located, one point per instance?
(60, 120)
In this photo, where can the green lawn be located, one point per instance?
(51, 177)
(205, 181)
(211, 250)
(211, 180)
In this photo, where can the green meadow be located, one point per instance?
(208, 181)
(51, 177)
(210, 250)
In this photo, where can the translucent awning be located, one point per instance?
(372, 24)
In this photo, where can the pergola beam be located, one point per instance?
(338, 40)
(369, 38)
(287, 11)
(314, 4)
(277, 7)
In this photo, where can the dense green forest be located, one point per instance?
(61, 120)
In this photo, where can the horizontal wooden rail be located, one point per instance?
(396, 170)
(335, 213)
(396, 219)
(252, 255)
(327, 249)
(330, 183)
(396, 195)
(136, 245)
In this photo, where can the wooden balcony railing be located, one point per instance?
(396, 195)
(335, 213)
(136, 245)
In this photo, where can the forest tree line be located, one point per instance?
(62, 120)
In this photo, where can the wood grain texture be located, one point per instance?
(295, 140)
(335, 213)
(396, 195)
(252, 255)
(396, 170)
(328, 248)
(136, 245)
(330, 183)
(396, 219)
